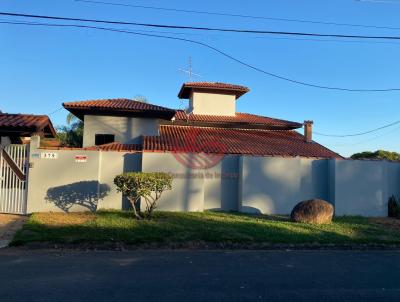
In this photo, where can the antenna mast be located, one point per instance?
(189, 71)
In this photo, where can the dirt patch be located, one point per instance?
(392, 223)
(9, 225)
(64, 219)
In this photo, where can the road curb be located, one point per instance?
(116, 246)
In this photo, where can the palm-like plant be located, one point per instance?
(71, 118)
(71, 135)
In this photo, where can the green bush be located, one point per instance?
(143, 185)
(393, 207)
(379, 154)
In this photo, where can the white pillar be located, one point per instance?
(5, 140)
(34, 142)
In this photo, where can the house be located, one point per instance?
(211, 124)
(16, 131)
(209, 148)
(220, 159)
(14, 127)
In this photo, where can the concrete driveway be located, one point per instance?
(9, 224)
(167, 275)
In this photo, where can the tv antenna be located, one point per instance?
(189, 71)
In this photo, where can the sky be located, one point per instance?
(41, 67)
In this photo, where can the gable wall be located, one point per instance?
(126, 130)
(212, 104)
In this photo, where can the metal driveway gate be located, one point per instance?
(13, 178)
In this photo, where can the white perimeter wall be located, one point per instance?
(63, 184)
(364, 187)
(268, 185)
(196, 189)
(274, 185)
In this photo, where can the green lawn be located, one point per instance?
(208, 227)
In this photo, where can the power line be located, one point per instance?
(367, 140)
(248, 31)
(232, 58)
(379, 1)
(207, 46)
(262, 37)
(235, 15)
(359, 134)
(55, 111)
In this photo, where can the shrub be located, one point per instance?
(379, 154)
(148, 186)
(393, 207)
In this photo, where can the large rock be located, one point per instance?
(316, 211)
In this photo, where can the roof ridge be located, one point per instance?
(219, 86)
(114, 99)
(229, 116)
(25, 114)
(227, 129)
(101, 100)
(120, 107)
(274, 118)
(216, 83)
(243, 119)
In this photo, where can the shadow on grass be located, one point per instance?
(213, 227)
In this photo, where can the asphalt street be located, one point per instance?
(182, 275)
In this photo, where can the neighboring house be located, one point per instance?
(211, 124)
(16, 131)
(14, 127)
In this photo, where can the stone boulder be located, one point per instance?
(316, 211)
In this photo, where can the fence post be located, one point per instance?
(332, 181)
(35, 142)
(4, 141)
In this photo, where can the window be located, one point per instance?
(101, 139)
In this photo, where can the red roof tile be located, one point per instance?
(235, 141)
(241, 120)
(238, 90)
(25, 125)
(118, 107)
(116, 147)
(187, 139)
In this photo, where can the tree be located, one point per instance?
(379, 154)
(71, 119)
(71, 135)
(148, 186)
(141, 98)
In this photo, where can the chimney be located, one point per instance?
(308, 131)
